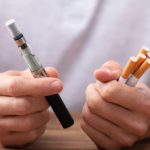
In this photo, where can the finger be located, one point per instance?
(12, 73)
(22, 86)
(21, 105)
(51, 72)
(20, 139)
(108, 128)
(101, 140)
(110, 70)
(24, 123)
(125, 119)
(135, 99)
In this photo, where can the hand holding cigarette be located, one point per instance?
(109, 71)
(115, 115)
(136, 67)
(23, 109)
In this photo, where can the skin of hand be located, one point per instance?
(23, 108)
(115, 115)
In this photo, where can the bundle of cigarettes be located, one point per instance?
(136, 67)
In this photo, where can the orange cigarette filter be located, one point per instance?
(148, 55)
(142, 69)
(140, 59)
(129, 68)
(144, 50)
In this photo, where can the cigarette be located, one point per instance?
(132, 81)
(128, 69)
(148, 55)
(142, 69)
(144, 50)
(140, 59)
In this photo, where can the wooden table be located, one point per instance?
(57, 138)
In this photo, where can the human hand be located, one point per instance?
(23, 108)
(115, 115)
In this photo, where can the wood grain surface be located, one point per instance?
(57, 138)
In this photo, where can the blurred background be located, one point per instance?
(76, 37)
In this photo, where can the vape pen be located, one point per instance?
(38, 71)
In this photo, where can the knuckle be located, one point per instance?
(86, 114)
(141, 129)
(92, 103)
(37, 133)
(29, 124)
(128, 141)
(82, 124)
(23, 106)
(46, 115)
(92, 99)
(4, 126)
(12, 87)
(33, 135)
(89, 87)
(110, 91)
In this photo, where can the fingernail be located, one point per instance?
(56, 84)
(103, 69)
(106, 69)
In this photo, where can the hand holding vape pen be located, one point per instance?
(38, 71)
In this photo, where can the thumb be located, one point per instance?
(111, 70)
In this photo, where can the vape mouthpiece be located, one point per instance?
(13, 28)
